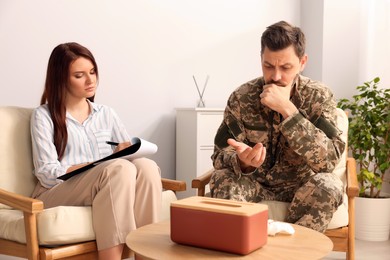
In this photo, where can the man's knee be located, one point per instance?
(316, 201)
(330, 185)
(225, 184)
(322, 192)
(221, 183)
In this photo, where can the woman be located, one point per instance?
(68, 131)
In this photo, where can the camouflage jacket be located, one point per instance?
(303, 144)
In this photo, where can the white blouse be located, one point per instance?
(86, 141)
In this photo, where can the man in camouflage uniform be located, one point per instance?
(278, 139)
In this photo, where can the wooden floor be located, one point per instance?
(364, 250)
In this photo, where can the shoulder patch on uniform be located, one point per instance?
(329, 129)
(223, 134)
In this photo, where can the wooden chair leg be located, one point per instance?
(30, 221)
(351, 230)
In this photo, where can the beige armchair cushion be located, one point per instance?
(277, 210)
(58, 225)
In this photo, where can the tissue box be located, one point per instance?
(225, 225)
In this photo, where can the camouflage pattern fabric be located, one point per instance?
(302, 152)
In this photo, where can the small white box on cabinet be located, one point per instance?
(195, 132)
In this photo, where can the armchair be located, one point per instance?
(341, 230)
(27, 230)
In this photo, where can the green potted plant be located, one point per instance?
(369, 143)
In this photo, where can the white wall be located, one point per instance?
(147, 52)
(341, 42)
(348, 40)
(312, 23)
(375, 41)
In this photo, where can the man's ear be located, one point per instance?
(303, 62)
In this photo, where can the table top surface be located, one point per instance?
(154, 242)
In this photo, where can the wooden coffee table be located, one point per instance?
(154, 242)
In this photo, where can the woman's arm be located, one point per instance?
(46, 165)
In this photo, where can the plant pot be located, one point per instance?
(372, 218)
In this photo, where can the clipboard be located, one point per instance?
(139, 148)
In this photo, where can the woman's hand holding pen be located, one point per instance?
(119, 146)
(248, 156)
(75, 167)
(122, 146)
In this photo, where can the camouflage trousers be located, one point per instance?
(312, 204)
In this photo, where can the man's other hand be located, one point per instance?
(248, 156)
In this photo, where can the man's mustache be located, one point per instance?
(278, 83)
(281, 83)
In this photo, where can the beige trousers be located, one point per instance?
(124, 195)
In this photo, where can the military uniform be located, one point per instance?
(302, 152)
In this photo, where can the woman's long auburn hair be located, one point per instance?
(56, 88)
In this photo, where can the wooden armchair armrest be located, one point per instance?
(352, 183)
(200, 182)
(173, 185)
(30, 208)
(20, 202)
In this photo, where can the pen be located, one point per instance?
(112, 143)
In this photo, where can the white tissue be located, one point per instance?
(275, 227)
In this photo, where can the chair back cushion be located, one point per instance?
(16, 164)
(342, 124)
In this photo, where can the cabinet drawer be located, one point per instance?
(208, 124)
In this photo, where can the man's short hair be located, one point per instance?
(281, 35)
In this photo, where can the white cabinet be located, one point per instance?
(195, 132)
